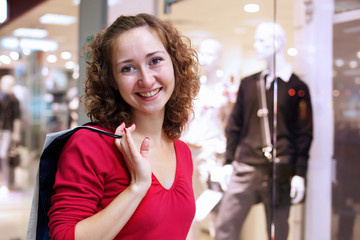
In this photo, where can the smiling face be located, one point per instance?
(143, 70)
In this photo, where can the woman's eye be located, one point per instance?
(155, 60)
(127, 69)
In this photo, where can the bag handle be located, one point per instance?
(99, 131)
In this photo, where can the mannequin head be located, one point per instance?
(7, 84)
(210, 54)
(269, 39)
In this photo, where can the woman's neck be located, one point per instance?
(151, 127)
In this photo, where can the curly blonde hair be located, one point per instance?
(102, 100)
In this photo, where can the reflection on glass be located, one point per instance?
(346, 97)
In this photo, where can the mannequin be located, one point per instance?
(10, 124)
(266, 48)
(205, 133)
(251, 180)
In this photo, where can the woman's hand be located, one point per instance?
(107, 223)
(136, 160)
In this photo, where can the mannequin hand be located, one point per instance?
(227, 170)
(136, 160)
(221, 175)
(15, 137)
(297, 191)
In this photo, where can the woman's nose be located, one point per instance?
(146, 78)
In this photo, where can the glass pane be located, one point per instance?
(224, 36)
(346, 97)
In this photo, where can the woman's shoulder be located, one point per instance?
(88, 138)
(178, 142)
(91, 148)
(91, 132)
(181, 146)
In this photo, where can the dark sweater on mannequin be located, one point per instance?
(9, 111)
(294, 124)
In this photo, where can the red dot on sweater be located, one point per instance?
(291, 92)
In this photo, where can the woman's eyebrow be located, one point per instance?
(147, 56)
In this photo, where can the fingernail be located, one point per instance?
(125, 130)
(132, 124)
(122, 123)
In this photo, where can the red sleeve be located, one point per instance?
(79, 182)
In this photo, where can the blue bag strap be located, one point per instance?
(53, 145)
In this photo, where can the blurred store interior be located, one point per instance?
(40, 45)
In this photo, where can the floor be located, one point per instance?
(14, 213)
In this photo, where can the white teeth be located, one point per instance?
(149, 94)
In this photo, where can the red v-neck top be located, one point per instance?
(92, 172)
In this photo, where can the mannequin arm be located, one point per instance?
(297, 191)
(16, 131)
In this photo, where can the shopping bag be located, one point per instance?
(54, 142)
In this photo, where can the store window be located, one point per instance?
(321, 48)
(323, 53)
(346, 100)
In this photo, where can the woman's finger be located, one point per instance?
(119, 131)
(144, 149)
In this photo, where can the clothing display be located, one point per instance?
(92, 172)
(252, 177)
(205, 133)
(9, 112)
(294, 124)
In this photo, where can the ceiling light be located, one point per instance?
(26, 51)
(3, 11)
(51, 58)
(69, 65)
(353, 64)
(5, 59)
(10, 42)
(14, 55)
(57, 19)
(113, 2)
(75, 75)
(358, 54)
(36, 44)
(251, 8)
(65, 55)
(339, 62)
(30, 32)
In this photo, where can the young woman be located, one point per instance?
(141, 81)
